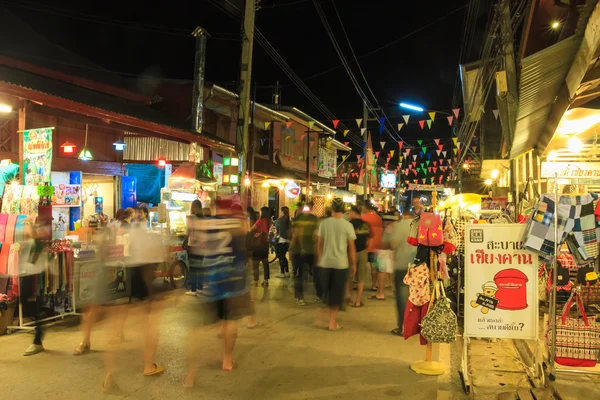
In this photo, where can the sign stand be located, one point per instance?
(501, 297)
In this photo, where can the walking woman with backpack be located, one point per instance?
(259, 244)
(284, 231)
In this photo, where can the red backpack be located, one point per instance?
(430, 230)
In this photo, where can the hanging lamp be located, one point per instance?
(85, 154)
(68, 147)
(119, 145)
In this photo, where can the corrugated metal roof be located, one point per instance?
(542, 75)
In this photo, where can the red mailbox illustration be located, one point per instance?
(512, 289)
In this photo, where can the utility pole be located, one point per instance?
(365, 140)
(242, 136)
(510, 99)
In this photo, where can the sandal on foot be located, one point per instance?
(397, 332)
(81, 349)
(228, 369)
(361, 304)
(376, 298)
(159, 369)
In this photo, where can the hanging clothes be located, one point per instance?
(413, 315)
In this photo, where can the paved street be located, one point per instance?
(286, 358)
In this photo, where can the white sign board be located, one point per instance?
(501, 298)
(426, 188)
(571, 170)
(291, 190)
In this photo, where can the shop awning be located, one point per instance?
(54, 93)
(542, 76)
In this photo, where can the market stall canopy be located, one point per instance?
(462, 200)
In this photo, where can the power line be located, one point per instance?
(117, 22)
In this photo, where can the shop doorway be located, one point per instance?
(98, 196)
(274, 202)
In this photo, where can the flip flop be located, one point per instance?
(255, 326)
(376, 298)
(81, 349)
(157, 371)
(396, 332)
(337, 328)
(358, 306)
(229, 369)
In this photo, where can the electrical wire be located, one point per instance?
(393, 42)
(117, 22)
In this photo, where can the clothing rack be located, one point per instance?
(552, 322)
(30, 326)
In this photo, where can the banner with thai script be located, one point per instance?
(501, 298)
(426, 188)
(37, 156)
(571, 170)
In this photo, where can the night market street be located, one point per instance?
(286, 358)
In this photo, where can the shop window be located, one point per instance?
(288, 135)
(262, 142)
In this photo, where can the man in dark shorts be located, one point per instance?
(336, 254)
(221, 241)
(363, 231)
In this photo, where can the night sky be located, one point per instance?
(129, 37)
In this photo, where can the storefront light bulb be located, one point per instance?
(495, 174)
(329, 196)
(574, 145)
(265, 184)
(488, 182)
(161, 162)
(552, 155)
(247, 181)
(5, 108)
(227, 161)
(235, 162)
(5, 163)
(234, 179)
(555, 25)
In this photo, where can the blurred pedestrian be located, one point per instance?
(284, 230)
(223, 266)
(363, 231)
(371, 217)
(259, 240)
(395, 238)
(304, 251)
(195, 277)
(337, 257)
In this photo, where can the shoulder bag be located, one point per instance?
(440, 324)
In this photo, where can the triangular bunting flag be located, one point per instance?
(437, 142)
(294, 141)
(434, 163)
(359, 122)
(346, 132)
(408, 151)
(310, 124)
(414, 164)
(429, 123)
(344, 157)
(427, 162)
(455, 140)
(420, 142)
(422, 123)
(450, 119)
(267, 124)
(431, 115)
(400, 125)
(434, 170)
(302, 137)
(406, 117)
(377, 154)
(496, 113)
(424, 148)
(362, 131)
(358, 157)
(346, 143)
(335, 123)
(428, 169)
(438, 152)
(456, 111)
(455, 151)
(458, 145)
(288, 124)
(381, 120)
(381, 129)
(444, 153)
(423, 180)
(473, 148)
(312, 144)
(415, 157)
(441, 147)
(392, 153)
(288, 137)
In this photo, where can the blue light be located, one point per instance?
(119, 145)
(411, 107)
